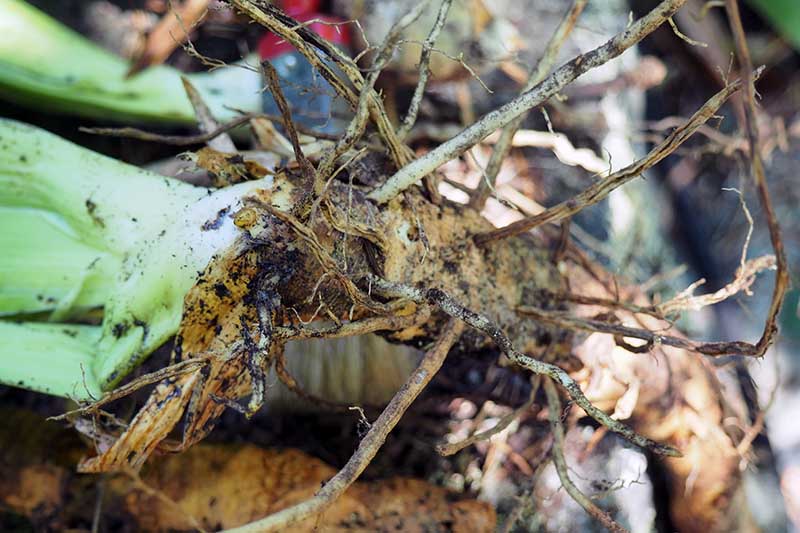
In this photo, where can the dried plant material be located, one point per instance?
(218, 295)
(677, 402)
(273, 82)
(212, 487)
(171, 32)
(206, 120)
(150, 426)
(269, 138)
(424, 70)
(226, 168)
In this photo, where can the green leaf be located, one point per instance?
(45, 65)
(784, 15)
(51, 358)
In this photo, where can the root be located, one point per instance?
(399, 261)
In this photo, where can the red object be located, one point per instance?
(327, 27)
(298, 8)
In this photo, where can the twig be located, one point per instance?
(757, 167)
(416, 170)
(274, 85)
(543, 67)
(457, 59)
(424, 69)
(685, 37)
(455, 447)
(581, 299)
(187, 140)
(603, 188)
(369, 445)
(177, 369)
(350, 329)
(554, 414)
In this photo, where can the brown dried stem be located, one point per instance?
(369, 445)
(171, 371)
(745, 276)
(561, 320)
(581, 299)
(351, 329)
(603, 188)
(206, 120)
(557, 453)
(271, 76)
(187, 140)
(757, 168)
(543, 67)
